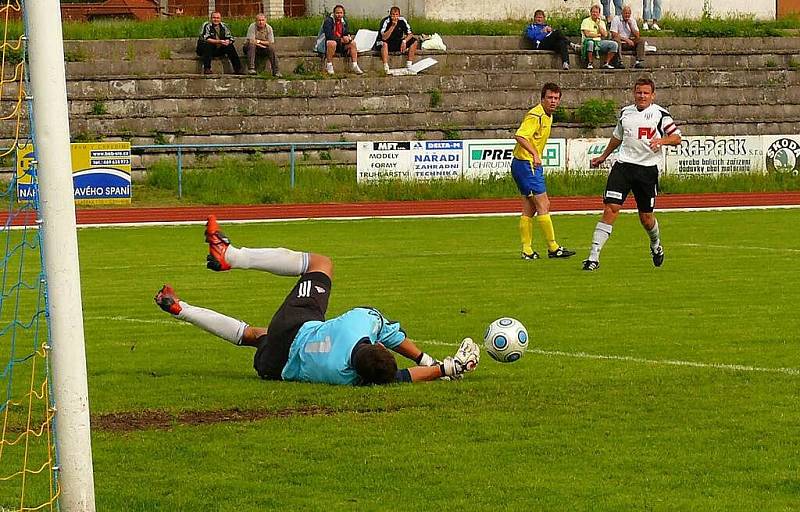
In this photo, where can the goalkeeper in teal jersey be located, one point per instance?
(300, 344)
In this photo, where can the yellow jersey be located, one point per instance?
(536, 129)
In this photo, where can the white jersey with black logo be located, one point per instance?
(636, 128)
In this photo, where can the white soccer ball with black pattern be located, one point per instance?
(506, 340)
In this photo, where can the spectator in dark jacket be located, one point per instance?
(216, 40)
(544, 37)
(339, 41)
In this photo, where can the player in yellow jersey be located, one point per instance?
(526, 168)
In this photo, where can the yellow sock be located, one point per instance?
(549, 233)
(526, 233)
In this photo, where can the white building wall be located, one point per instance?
(523, 9)
(369, 8)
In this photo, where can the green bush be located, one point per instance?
(595, 112)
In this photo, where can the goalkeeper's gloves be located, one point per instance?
(465, 359)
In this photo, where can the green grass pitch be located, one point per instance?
(645, 389)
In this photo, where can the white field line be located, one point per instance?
(171, 322)
(738, 247)
(547, 353)
(436, 216)
(641, 360)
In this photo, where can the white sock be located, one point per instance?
(279, 261)
(655, 236)
(601, 233)
(227, 328)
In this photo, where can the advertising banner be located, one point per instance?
(437, 159)
(782, 153)
(383, 161)
(716, 155)
(484, 158)
(101, 172)
(581, 151)
(492, 157)
(26, 173)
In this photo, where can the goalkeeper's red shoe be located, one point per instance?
(168, 300)
(217, 246)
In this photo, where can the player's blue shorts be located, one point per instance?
(529, 181)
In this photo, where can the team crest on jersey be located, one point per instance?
(783, 155)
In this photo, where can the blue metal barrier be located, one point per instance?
(293, 146)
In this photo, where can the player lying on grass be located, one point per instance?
(299, 343)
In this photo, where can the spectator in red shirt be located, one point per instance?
(339, 41)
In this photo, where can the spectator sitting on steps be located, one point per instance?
(261, 42)
(625, 32)
(544, 37)
(394, 35)
(593, 30)
(216, 40)
(338, 40)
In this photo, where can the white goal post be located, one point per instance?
(50, 128)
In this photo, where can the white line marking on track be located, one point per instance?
(641, 360)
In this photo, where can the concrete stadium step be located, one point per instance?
(422, 121)
(771, 102)
(448, 63)
(176, 56)
(700, 83)
(129, 49)
(422, 101)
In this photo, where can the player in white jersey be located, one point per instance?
(641, 131)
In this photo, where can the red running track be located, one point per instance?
(404, 208)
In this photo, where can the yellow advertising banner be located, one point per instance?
(101, 172)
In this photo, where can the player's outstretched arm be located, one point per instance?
(613, 143)
(465, 360)
(408, 349)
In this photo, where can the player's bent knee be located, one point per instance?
(320, 263)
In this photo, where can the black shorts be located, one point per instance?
(307, 301)
(343, 49)
(639, 179)
(394, 44)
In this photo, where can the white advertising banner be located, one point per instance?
(581, 151)
(437, 159)
(782, 153)
(485, 158)
(716, 155)
(377, 161)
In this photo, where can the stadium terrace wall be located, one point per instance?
(516, 9)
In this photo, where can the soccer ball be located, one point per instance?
(506, 340)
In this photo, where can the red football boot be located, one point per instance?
(217, 246)
(168, 300)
